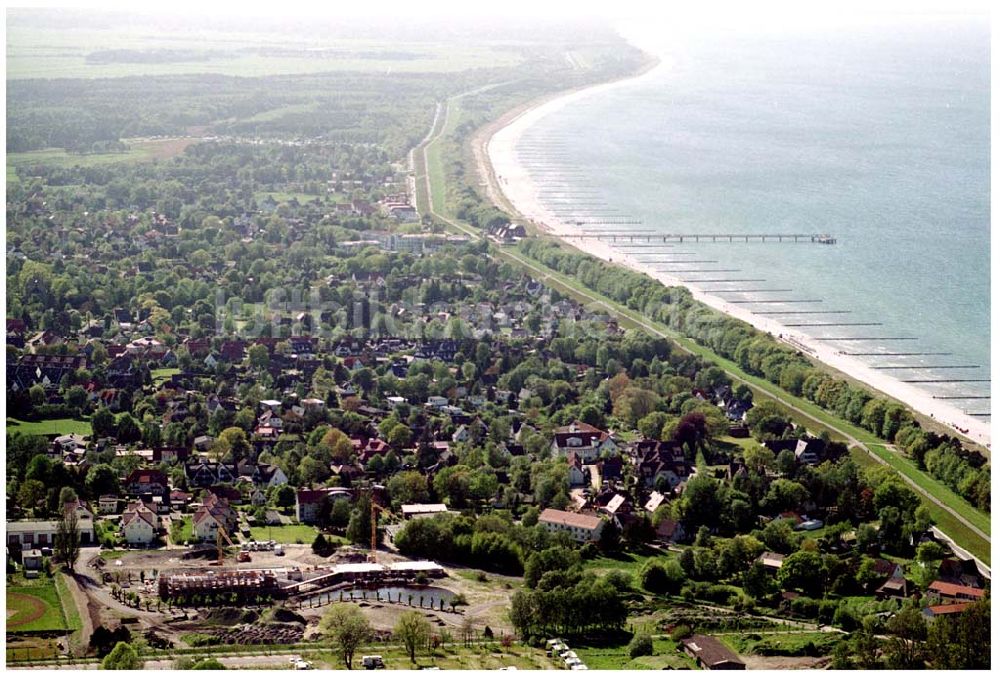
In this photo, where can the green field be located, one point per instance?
(55, 426)
(279, 196)
(140, 150)
(665, 656)
(276, 113)
(36, 607)
(286, 533)
(629, 562)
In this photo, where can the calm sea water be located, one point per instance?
(877, 137)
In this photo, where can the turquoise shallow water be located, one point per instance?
(879, 138)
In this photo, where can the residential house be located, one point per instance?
(588, 442)
(810, 451)
(661, 465)
(951, 592)
(140, 525)
(656, 499)
(83, 512)
(932, 612)
(107, 504)
(257, 497)
(311, 503)
(213, 513)
(268, 475)
(669, 531)
(142, 482)
(581, 528)
(204, 474)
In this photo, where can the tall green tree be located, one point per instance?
(346, 626)
(413, 630)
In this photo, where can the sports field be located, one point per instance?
(35, 607)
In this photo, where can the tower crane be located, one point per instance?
(220, 536)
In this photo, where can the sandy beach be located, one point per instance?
(518, 188)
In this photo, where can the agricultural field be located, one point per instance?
(139, 150)
(35, 51)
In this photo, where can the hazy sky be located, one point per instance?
(763, 13)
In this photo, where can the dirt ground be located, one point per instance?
(784, 662)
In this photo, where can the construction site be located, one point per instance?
(227, 586)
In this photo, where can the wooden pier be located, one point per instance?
(697, 237)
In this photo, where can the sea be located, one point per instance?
(877, 136)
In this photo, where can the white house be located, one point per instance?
(206, 525)
(586, 441)
(107, 504)
(139, 524)
(581, 528)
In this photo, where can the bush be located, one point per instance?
(208, 664)
(620, 580)
(641, 645)
(826, 611)
(845, 618)
(201, 639)
(805, 607)
(653, 577)
(720, 594)
(680, 632)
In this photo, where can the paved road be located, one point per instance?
(542, 274)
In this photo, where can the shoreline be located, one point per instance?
(520, 192)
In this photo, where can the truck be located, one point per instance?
(372, 663)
